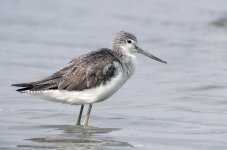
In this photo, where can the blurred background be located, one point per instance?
(181, 105)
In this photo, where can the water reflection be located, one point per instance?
(75, 137)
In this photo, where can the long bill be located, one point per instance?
(139, 50)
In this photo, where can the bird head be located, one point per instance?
(127, 44)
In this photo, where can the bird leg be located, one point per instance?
(87, 115)
(80, 115)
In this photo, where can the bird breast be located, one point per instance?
(129, 65)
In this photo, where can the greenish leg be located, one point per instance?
(80, 115)
(87, 115)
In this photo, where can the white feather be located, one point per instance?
(87, 96)
(93, 95)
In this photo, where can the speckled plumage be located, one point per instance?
(92, 77)
(86, 71)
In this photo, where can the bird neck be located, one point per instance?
(128, 62)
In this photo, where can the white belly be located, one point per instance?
(87, 96)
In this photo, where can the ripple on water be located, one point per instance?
(75, 136)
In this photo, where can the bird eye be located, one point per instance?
(129, 41)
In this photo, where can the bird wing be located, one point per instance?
(84, 72)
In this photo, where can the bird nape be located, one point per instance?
(92, 77)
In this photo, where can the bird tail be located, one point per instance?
(37, 86)
(24, 86)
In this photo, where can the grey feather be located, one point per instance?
(84, 72)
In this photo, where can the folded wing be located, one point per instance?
(87, 71)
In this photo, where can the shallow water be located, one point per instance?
(181, 105)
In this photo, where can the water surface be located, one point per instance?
(181, 105)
